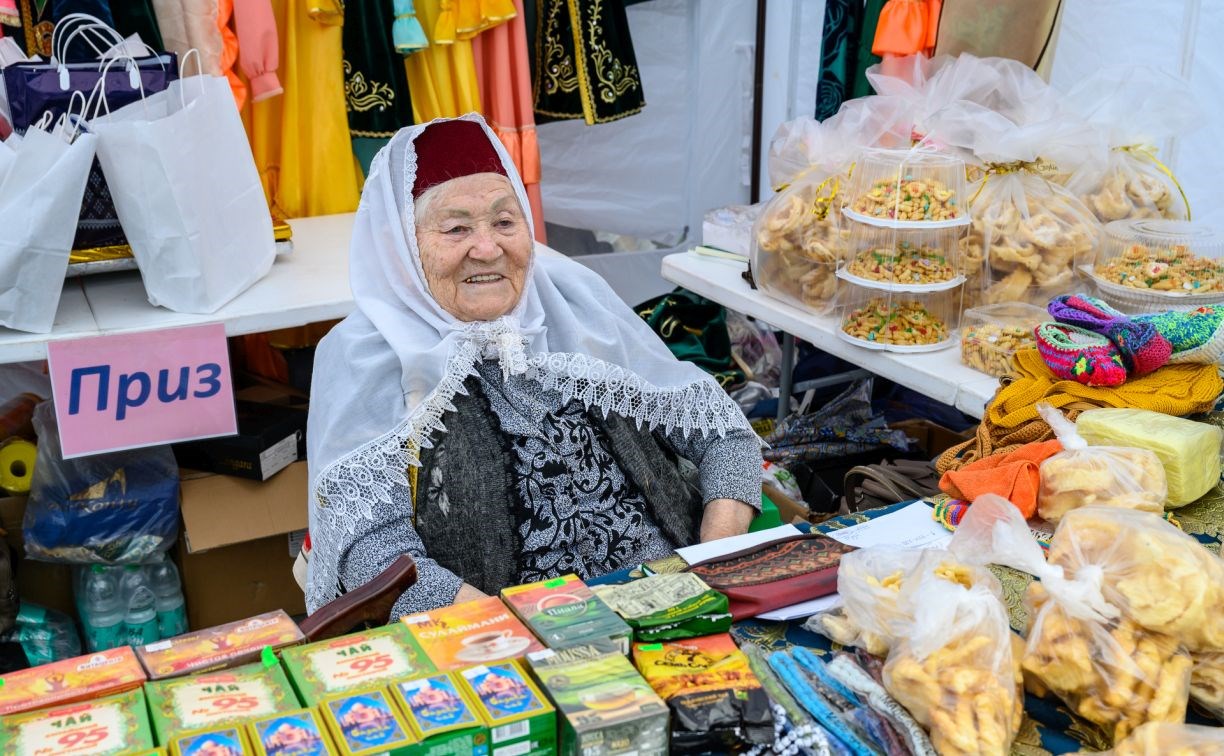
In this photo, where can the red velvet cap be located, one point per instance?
(451, 149)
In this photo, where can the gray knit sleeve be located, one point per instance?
(729, 466)
(375, 549)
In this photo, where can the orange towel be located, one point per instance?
(1012, 476)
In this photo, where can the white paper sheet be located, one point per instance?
(910, 527)
(702, 551)
(804, 609)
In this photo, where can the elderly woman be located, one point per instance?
(496, 413)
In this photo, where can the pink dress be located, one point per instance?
(504, 74)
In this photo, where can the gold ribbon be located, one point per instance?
(826, 191)
(1002, 169)
(1148, 152)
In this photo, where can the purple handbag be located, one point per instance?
(35, 89)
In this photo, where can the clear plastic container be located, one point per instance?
(903, 258)
(991, 334)
(799, 241)
(899, 321)
(908, 188)
(1152, 264)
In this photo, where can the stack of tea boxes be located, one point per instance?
(465, 679)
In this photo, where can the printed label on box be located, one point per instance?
(435, 704)
(295, 734)
(503, 691)
(367, 721)
(219, 743)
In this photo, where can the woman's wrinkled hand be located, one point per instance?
(468, 593)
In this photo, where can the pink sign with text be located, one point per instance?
(141, 389)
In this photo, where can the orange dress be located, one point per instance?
(504, 73)
(907, 27)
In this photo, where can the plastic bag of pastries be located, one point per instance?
(1160, 577)
(1083, 475)
(1169, 739)
(1135, 109)
(1189, 451)
(1207, 683)
(1080, 646)
(953, 666)
(869, 582)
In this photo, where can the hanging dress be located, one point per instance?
(442, 77)
(838, 54)
(585, 66)
(375, 83)
(138, 17)
(504, 72)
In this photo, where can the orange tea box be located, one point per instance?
(112, 726)
(80, 679)
(219, 647)
(476, 632)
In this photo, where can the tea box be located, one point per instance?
(476, 632)
(78, 679)
(291, 733)
(520, 719)
(564, 612)
(226, 741)
(367, 722)
(443, 716)
(113, 725)
(219, 647)
(213, 699)
(668, 606)
(604, 706)
(371, 658)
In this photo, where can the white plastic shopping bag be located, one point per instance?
(42, 180)
(188, 194)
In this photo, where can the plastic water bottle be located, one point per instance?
(140, 622)
(171, 609)
(105, 609)
(133, 578)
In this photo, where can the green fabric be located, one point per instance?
(375, 82)
(695, 329)
(865, 59)
(365, 148)
(594, 77)
(137, 17)
(838, 55)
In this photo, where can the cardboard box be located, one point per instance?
(216, 699)
(113, 725)
(269, 439)
(293, 733)
(520, 719)
(239, 529)
(229, 645)
(231, 741)
(63, 682)
(43, 583)
(442, 716)
(365, 723)
(563, 612)
(604, 706)
(355, 662)
(476, 632)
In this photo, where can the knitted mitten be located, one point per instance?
(1077, 354)
(1142, 346)
(1196, 336)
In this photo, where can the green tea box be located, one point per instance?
(368, 659)
(292, 733)
(113, 725)
(604, 706)
(441, 713)
(367, 723)
(521, 721)
(215, 699)
(564, 612)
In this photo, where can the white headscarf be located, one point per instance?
(385, 376)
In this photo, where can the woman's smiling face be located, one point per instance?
(475, 245)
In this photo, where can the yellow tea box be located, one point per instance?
(367, 722)
(372, 658)
(104, 727)
(78, 679)
(475, 632)
(441, 713)
(229, 645)
(214, 699)
(225, 741)
(292, 733)
(521, 721)
(604, 706)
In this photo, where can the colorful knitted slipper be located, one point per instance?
(1077, 354)
(1142, 346)
(1196, 337)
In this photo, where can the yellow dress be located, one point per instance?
(301, 140)
(442, 77)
